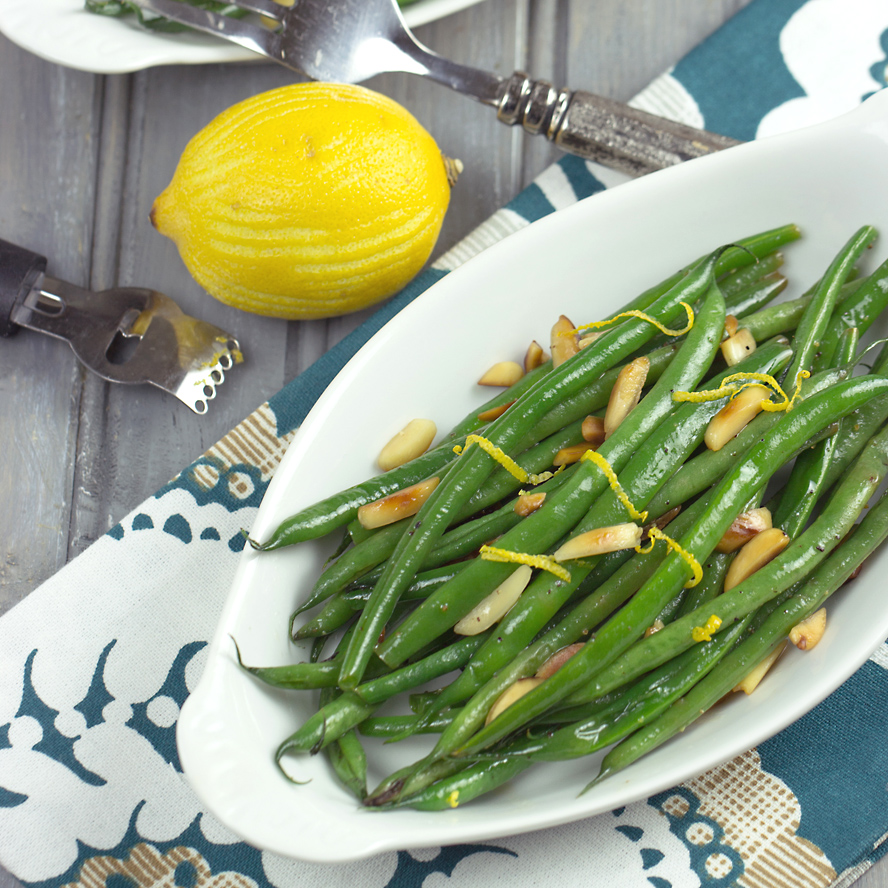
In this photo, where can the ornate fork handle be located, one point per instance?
(599, 129)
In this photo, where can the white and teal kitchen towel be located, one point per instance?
(91, 789)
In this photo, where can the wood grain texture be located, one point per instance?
(82, 158)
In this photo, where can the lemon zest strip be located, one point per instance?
(453, 799)
(704, 632)
(595, 457)
(544, 562)
(635, 313)
(654, 533)
(736, 382)
(506, 461)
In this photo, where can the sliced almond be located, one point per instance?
(600, 541)
(761, 549)
(589, 338)
(526, 503)
(571, 454)
(397, 505)
(743, 528)
(563, 340)
(737, 347)
(731, 325)
(494, 412)
(557, 660)
(593, 430)
(752, 680)
(534, 356)
(807, 634)
(412, 441)
(493, 607)
(735, 416)
(625, 394)
(655, 627)
(503, 373)
(510, 695)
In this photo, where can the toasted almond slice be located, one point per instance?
(563, 340)
(751, 682)
(743, 528)
(761, 549)
(571, 454)
(593, 431)
(503, 373)
(412, 441)
(589, 338)
(510, 695)
(534, 356)
(655, 627)
(492, 608)
(397, 505)
(599, 541)
(731, 325)
(494, 412)
(625, 394)
(529, 502)
(807, 634)
(557, 660)
(737, 347)
(735, 416)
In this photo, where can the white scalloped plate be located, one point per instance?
(585, 260)
(62, 31)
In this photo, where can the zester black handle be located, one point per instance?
(19, 268)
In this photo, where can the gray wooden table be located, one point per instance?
(81, 158)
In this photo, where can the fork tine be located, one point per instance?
(251, 36)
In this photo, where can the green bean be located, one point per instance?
(475, 465)
(350, 708)
(575, 625)
(651, 464)
(325, 516)
(871, 532)
(585, 734)
(859, 310)
(561, 512)
(349, 762)
(457, 789)
(756, 296)
(425, 581)
(780, 442)
(816, 317)
(807, 480)
(392, 726)
(741, 280)
(322, 517)
(295, 676)
(802, 555)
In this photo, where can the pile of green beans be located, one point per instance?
(648, 638)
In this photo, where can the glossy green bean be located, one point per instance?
(781, 442)
(652, 463)
(566, 507)
(818, 313)
(871, 533)
(807, 480)
(349, 709)
(475, 465)
(802, 556)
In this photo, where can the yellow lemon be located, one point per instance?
(308, 201)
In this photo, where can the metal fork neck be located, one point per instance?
(599, 129)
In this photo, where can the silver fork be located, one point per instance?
(349, 41)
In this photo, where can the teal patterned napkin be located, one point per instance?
(91, 789)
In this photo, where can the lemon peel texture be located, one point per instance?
(308, 201)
